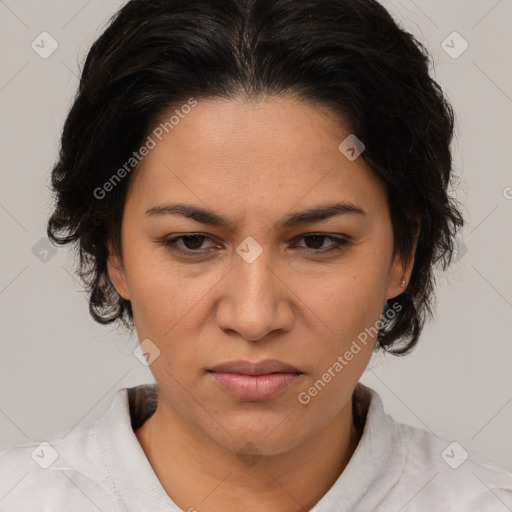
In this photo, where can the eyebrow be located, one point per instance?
(204, 216)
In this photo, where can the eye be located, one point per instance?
(192, 243)
(318, 239)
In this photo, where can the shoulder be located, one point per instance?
(62, 469)
(84, 467)
(413, 470)
(444, 475)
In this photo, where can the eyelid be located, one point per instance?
(339, 241)
(170, 240)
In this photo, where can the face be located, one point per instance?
(253, 280)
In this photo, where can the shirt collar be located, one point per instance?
(127, 463)
(376, 464)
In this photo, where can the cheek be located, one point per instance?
(160, 298)
(348, 315)
(347, 300)
(157, 293)
(171, 301)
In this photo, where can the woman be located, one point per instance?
(259, 190)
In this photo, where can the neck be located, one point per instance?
(199, 474)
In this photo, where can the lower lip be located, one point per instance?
(255, 388)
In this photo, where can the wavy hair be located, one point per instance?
(348, 55)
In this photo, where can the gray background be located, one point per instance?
(58, 368)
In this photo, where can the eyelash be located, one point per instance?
(170, 243)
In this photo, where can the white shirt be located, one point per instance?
(101, 466)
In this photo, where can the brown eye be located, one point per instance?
(190, 243)
(316, 241)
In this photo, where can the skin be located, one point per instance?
(254, 163)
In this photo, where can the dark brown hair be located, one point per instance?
(349, 55)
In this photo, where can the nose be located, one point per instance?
(256, 301)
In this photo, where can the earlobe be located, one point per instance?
(397, 279)
(401, 272)
(117, 276)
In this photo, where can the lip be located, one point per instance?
(255, 382)
(264, 367)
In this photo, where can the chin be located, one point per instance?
(258, 438)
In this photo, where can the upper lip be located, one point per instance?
(259, 368)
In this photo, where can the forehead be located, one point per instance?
(259, 132)
(278, 151)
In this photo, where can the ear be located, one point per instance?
(117, 275)
(401, 270)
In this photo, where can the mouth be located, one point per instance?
(255, 382)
